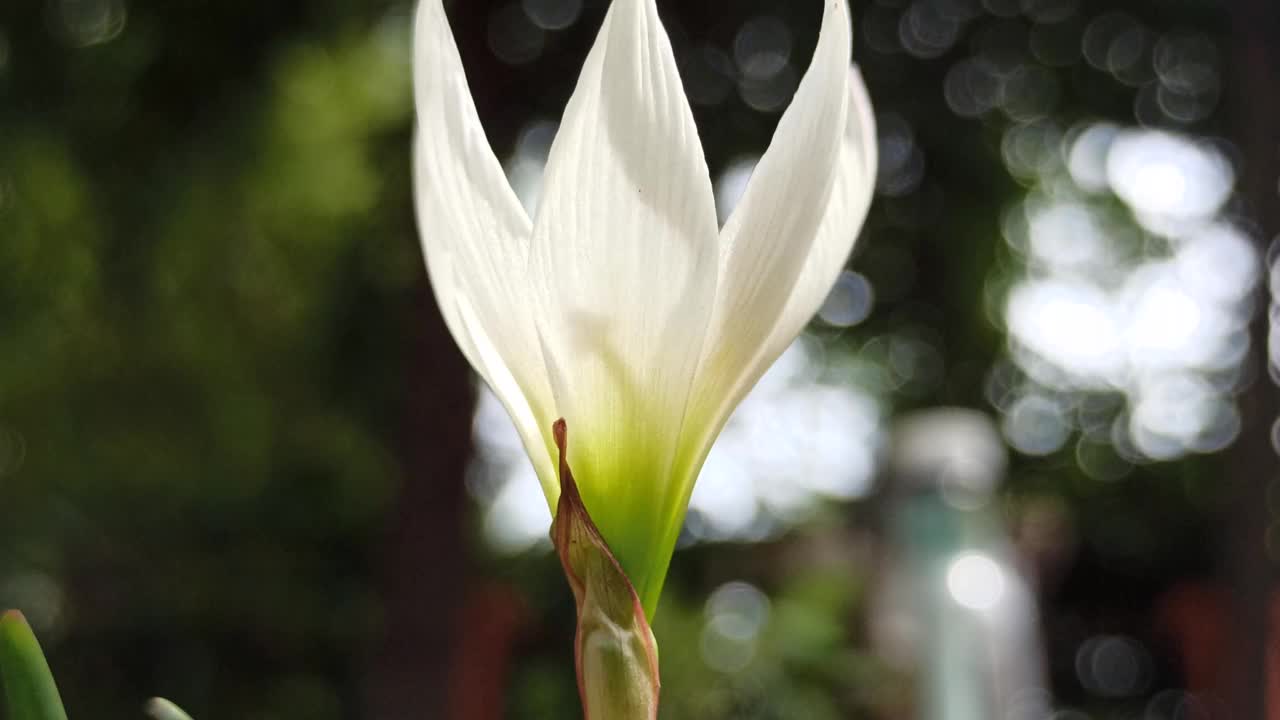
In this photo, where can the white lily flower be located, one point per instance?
(622, 307)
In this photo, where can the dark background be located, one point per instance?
(234, 433)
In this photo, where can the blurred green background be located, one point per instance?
(243, 466)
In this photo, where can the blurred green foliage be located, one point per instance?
(205, 270)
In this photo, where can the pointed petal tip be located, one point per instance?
(647, 6)
(161, 709)
(433, 43)
(836, 15)
(13, 616)
(427, 14)
(430, 7)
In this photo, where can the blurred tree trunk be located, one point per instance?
(1255, 117)
(439, 631)
(424, 561)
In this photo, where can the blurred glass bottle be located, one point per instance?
(952, 606)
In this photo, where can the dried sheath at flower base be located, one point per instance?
(615, 652)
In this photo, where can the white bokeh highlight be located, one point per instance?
(1149, 300)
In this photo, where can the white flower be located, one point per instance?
(622, 307)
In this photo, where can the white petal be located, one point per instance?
(486, 358)
(841, 223)
(753, 336)
(625, 250)
(768, 239)
(475, 236)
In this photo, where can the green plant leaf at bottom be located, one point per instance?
(29, 690)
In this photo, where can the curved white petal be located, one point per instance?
(475, 236)
(728, 376)
(768, 241)
(841, 223)
(625, 256)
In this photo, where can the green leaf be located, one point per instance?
(162, 709)
(29, 690)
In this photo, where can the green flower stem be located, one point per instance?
(29, 690)
(615, 652)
